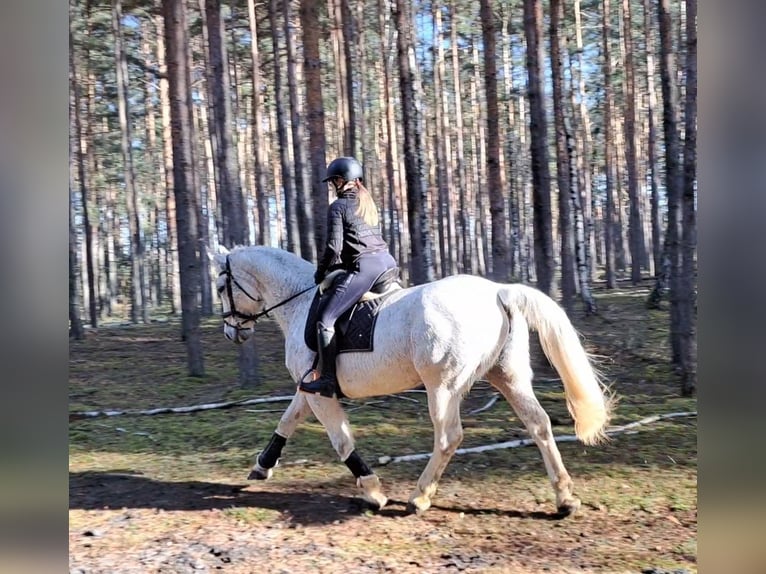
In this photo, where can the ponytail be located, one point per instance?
(367, 208)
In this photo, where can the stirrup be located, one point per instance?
(324, 386)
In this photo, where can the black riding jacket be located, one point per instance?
(348, 235)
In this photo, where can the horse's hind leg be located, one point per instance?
(330, 413)
(444, 408)
(512, 376)
(267, 459)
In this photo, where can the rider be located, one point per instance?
(354, 243)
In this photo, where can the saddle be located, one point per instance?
(354, 328)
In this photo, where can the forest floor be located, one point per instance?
(167, 492)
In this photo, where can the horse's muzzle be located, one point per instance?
(236, 335)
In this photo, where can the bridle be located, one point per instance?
(232, 282)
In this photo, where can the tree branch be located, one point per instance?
(383, 460)
(75, 416)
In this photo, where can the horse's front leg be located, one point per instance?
(267, 459)
(330, 413)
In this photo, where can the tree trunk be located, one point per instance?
(476, 188)
(466, 246)
(233, 215)
(179, 85)
(420, 237)
(673, 175)
(303, 214)
(446, 142)
(76, 330)
(349, 40)
(138, 308)
(511, 151)
(171, 264)
(288, 184)
(156, 293)
(312, 63)
(652, 138)
(259, 138)
(563, 163)
(609, 159)
(687, 284)
(396, 216)
(541, 179)
(81, 176)
(437, 138)
(585, 145)
(501, 270)
(635, 225)
(203, 203)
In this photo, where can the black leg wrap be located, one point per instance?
(268, 458)
(357, 466)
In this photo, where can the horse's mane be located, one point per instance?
(277, 260)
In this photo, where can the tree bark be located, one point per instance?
(171, 264)
(687, 284)
(466, 245)
(541, 179)
(233, 215)
(303, 215)
(82, 178)
(76, 330)
(476, 188)
(259, 138)
(138, 308)
(585, 146)
(179, 82)
(563, 161)
(609, 156)
(673, 175)
(652, 138)
(288, 182)
(635, 226)
(501, 270)
(349, 40)
(312, 63)
(420, 238)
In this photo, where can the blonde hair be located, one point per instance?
(367, 209)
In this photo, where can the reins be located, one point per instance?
(232, 312)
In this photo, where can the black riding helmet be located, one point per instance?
(346, 167)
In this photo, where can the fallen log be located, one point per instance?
(80, 415)
(383, 460)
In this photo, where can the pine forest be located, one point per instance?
(546, 142)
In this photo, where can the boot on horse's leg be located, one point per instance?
(326, 385)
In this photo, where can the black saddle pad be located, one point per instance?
(353, 330)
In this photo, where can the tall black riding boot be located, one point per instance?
(326, 384)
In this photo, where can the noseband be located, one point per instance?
(231, 281)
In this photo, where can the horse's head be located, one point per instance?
(240, 299)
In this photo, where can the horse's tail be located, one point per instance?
(587, 399)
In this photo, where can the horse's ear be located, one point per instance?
(218, 258)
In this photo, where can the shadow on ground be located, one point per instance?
(118, 489)
(126, 489)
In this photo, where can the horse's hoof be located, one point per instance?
(569, 507)
(418, 506)
(377, 502)
(371, 491)
(260, 473)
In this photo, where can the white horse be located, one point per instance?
(444, 335)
